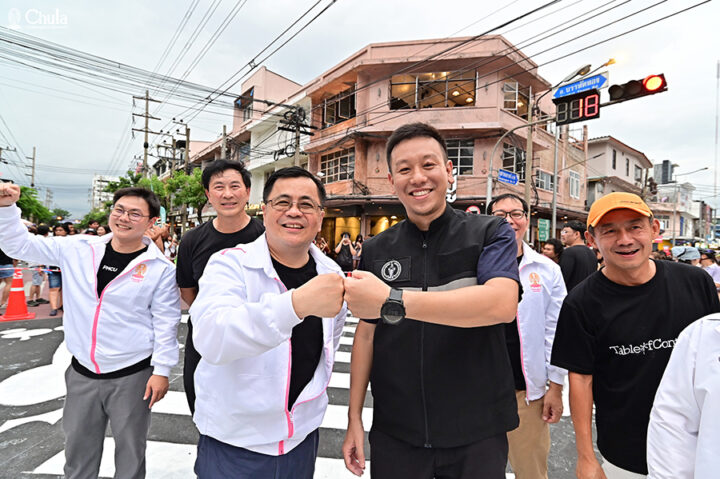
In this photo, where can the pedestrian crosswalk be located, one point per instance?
(172, 444)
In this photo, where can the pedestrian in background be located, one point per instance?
(55, 275)
(577, 261)
(553, 249)
(344, 252)
(529, 339)
(38, 274)
(7, 269)
(616, 331)
(686, 254)
(709, 264)
(358, 250)
(103, 230)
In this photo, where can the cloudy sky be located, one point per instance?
(79, 129)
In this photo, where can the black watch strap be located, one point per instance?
(396, 294)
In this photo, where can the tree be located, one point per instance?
(31, 207)
(188, 190)
(95, 214)
(130, 179)
(60, 213)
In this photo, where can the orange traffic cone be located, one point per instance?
(17, 308)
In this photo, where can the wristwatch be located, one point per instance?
(393, 309)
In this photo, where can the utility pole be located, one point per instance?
(529, 160)
(146, 130)
(186, 168)
(32, 175)
(294, 122)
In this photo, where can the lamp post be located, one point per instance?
(675, 201)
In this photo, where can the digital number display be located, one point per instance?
(579, 107)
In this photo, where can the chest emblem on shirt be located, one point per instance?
(535, 285)
(391, 270)
(139, 273)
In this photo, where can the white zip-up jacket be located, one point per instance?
(684, 430)
(242, 324)
(538, 310)
(137, 315)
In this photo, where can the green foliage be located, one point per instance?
(155, 185)
(59, 212)
(99, 215)
(188, 190)
(130, 179)
(31, 207)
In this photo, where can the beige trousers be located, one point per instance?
(529, 444)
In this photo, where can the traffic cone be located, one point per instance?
(17, 308)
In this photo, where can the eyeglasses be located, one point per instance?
(514, 214)
(305, 205)
(134, 215)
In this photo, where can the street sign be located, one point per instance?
(508, 177)
(594, 82)
(474, 209)
(543, 229)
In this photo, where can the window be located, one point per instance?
(339, 108)
(544, 180)
(460, 152)
(513, 159)
(515, 98)
(432, 90)
(337, 166)
(574, 184)
(627, 167)
(245, 103)
(638, 173)
(243, 151)
(664, 222)
(614, 163)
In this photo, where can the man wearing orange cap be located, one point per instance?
(616, 331)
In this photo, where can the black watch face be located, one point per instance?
(392, 312)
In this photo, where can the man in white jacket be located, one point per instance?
(122, 309)
(529, 341)
(267, 322)
(683, 435)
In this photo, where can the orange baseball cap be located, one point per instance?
(616, 201)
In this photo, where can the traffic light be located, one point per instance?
(637, 88)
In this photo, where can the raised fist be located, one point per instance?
(9, 194)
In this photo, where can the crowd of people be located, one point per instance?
(467, 335)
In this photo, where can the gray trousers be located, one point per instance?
(89, 404)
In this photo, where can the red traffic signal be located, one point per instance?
(638, 88)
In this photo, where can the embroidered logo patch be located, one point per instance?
(535, 285)
(139, 273)
(391, 270)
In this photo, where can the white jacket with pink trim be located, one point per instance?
(137, 315)
(242, 324)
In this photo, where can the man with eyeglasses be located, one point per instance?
(268, 319)
(529, 339)
(227, 187)
(122, 309)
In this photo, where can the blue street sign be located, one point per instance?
(594, 82)
(508, 177)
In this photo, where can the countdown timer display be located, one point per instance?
(578, 107)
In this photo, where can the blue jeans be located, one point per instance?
(217, 460)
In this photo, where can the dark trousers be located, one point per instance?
(190, 364)
(394, 459)
(217, 460)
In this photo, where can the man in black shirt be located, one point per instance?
(577, 261)
(227, 187)
(616, 331)
(441, 377)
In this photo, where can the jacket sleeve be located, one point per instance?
(339, 323)
(18, 243)
(552, 311)
(675, 416)
(165, 310)
(228, 326)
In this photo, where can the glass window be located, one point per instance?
(515, 98)
(460, 153)
(514, 160)
(544, 180)
(574, 184)
(638, 173)
(339, 165)
(339, 108)
(432, 90)
(614, 160)
(245, 103)
(627, 167)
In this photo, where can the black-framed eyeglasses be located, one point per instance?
(305, 205)
(134, 215)
(514, 214)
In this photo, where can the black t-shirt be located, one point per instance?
(577, 263)
(202, 242)
(5, 259)
(512, 339)
(307, 337)
(112, 264)
(623, 337)
(344, 258)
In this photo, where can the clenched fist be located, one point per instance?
(9, 194)
(321, 296)
(365, 294)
